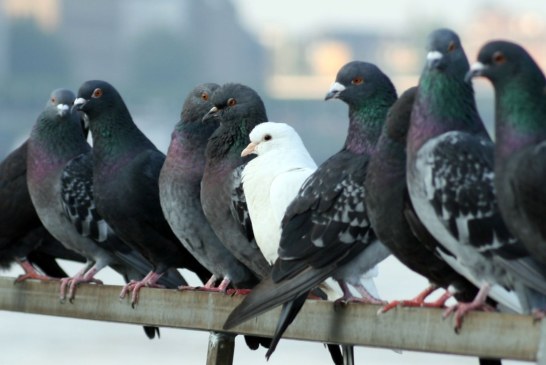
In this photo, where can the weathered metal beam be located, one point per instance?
(221, 348)
(491, 335)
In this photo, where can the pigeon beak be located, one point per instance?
(334, 91)
(434, 59)
(211, 114)
(62, 109)
(79, 103)
(476, 69)
(249, 149)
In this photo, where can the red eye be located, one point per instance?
(451, 46)
(231, 102)
(97, 93)
(267, 137)
(357, 80)
(205, 96)
(499, 58)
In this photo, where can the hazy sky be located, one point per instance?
(302, 16)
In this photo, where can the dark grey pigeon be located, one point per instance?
(46, 161)
(326, 231)
(180, 189)
(520, 152)
(126, 167)
(393, 218)
(450, 181)
(23, 238)
(21, 231)
(60, 186)
(237, 108)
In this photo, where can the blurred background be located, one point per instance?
(155, 52)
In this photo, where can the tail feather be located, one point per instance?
(269, 294)
(289, 312)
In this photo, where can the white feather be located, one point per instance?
(272, 180)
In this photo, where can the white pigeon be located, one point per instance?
(272, 180)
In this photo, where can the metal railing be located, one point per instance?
(493, 335)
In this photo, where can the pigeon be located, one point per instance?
(325, 230)
(238, 109)
(21, 230)
(272, 180)
(450, 181)
(520, 135)
(126, 167)
(393, 218)
(46, 159)
(57, 163)
(23, 239)
(180, 187)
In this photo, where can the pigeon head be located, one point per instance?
(504, 62)
(198, 103)
(59, 118)
(96, 97)
(271, 136)
(235, 102)
(446, 54)
(357, 82)
(62, 100)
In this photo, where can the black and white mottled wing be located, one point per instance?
(326, 218)
(77, 199)
(238, 207)
(457, 172)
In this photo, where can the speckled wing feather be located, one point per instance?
(323, 222)
(458, 178)
(77, 199)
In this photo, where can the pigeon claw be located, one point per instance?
(461, 309)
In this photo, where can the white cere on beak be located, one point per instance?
(79, 101)
(476, 67)
(433, 56)
(337, 87)
(62, 107)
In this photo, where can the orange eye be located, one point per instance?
(499, 58)
(97, 93)
(267, 137)
(231, 102)
(204, 96)
(451, 46)
(357, 80)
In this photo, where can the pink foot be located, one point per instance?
(348, 297)
(233, 292)
(459, 310)
(31, 273)
(149, 281)
(72, 284)
(418, 301)
(352, 299)
(209, 286)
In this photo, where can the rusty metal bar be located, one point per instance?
(491, 335)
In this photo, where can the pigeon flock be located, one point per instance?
(239, 201)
